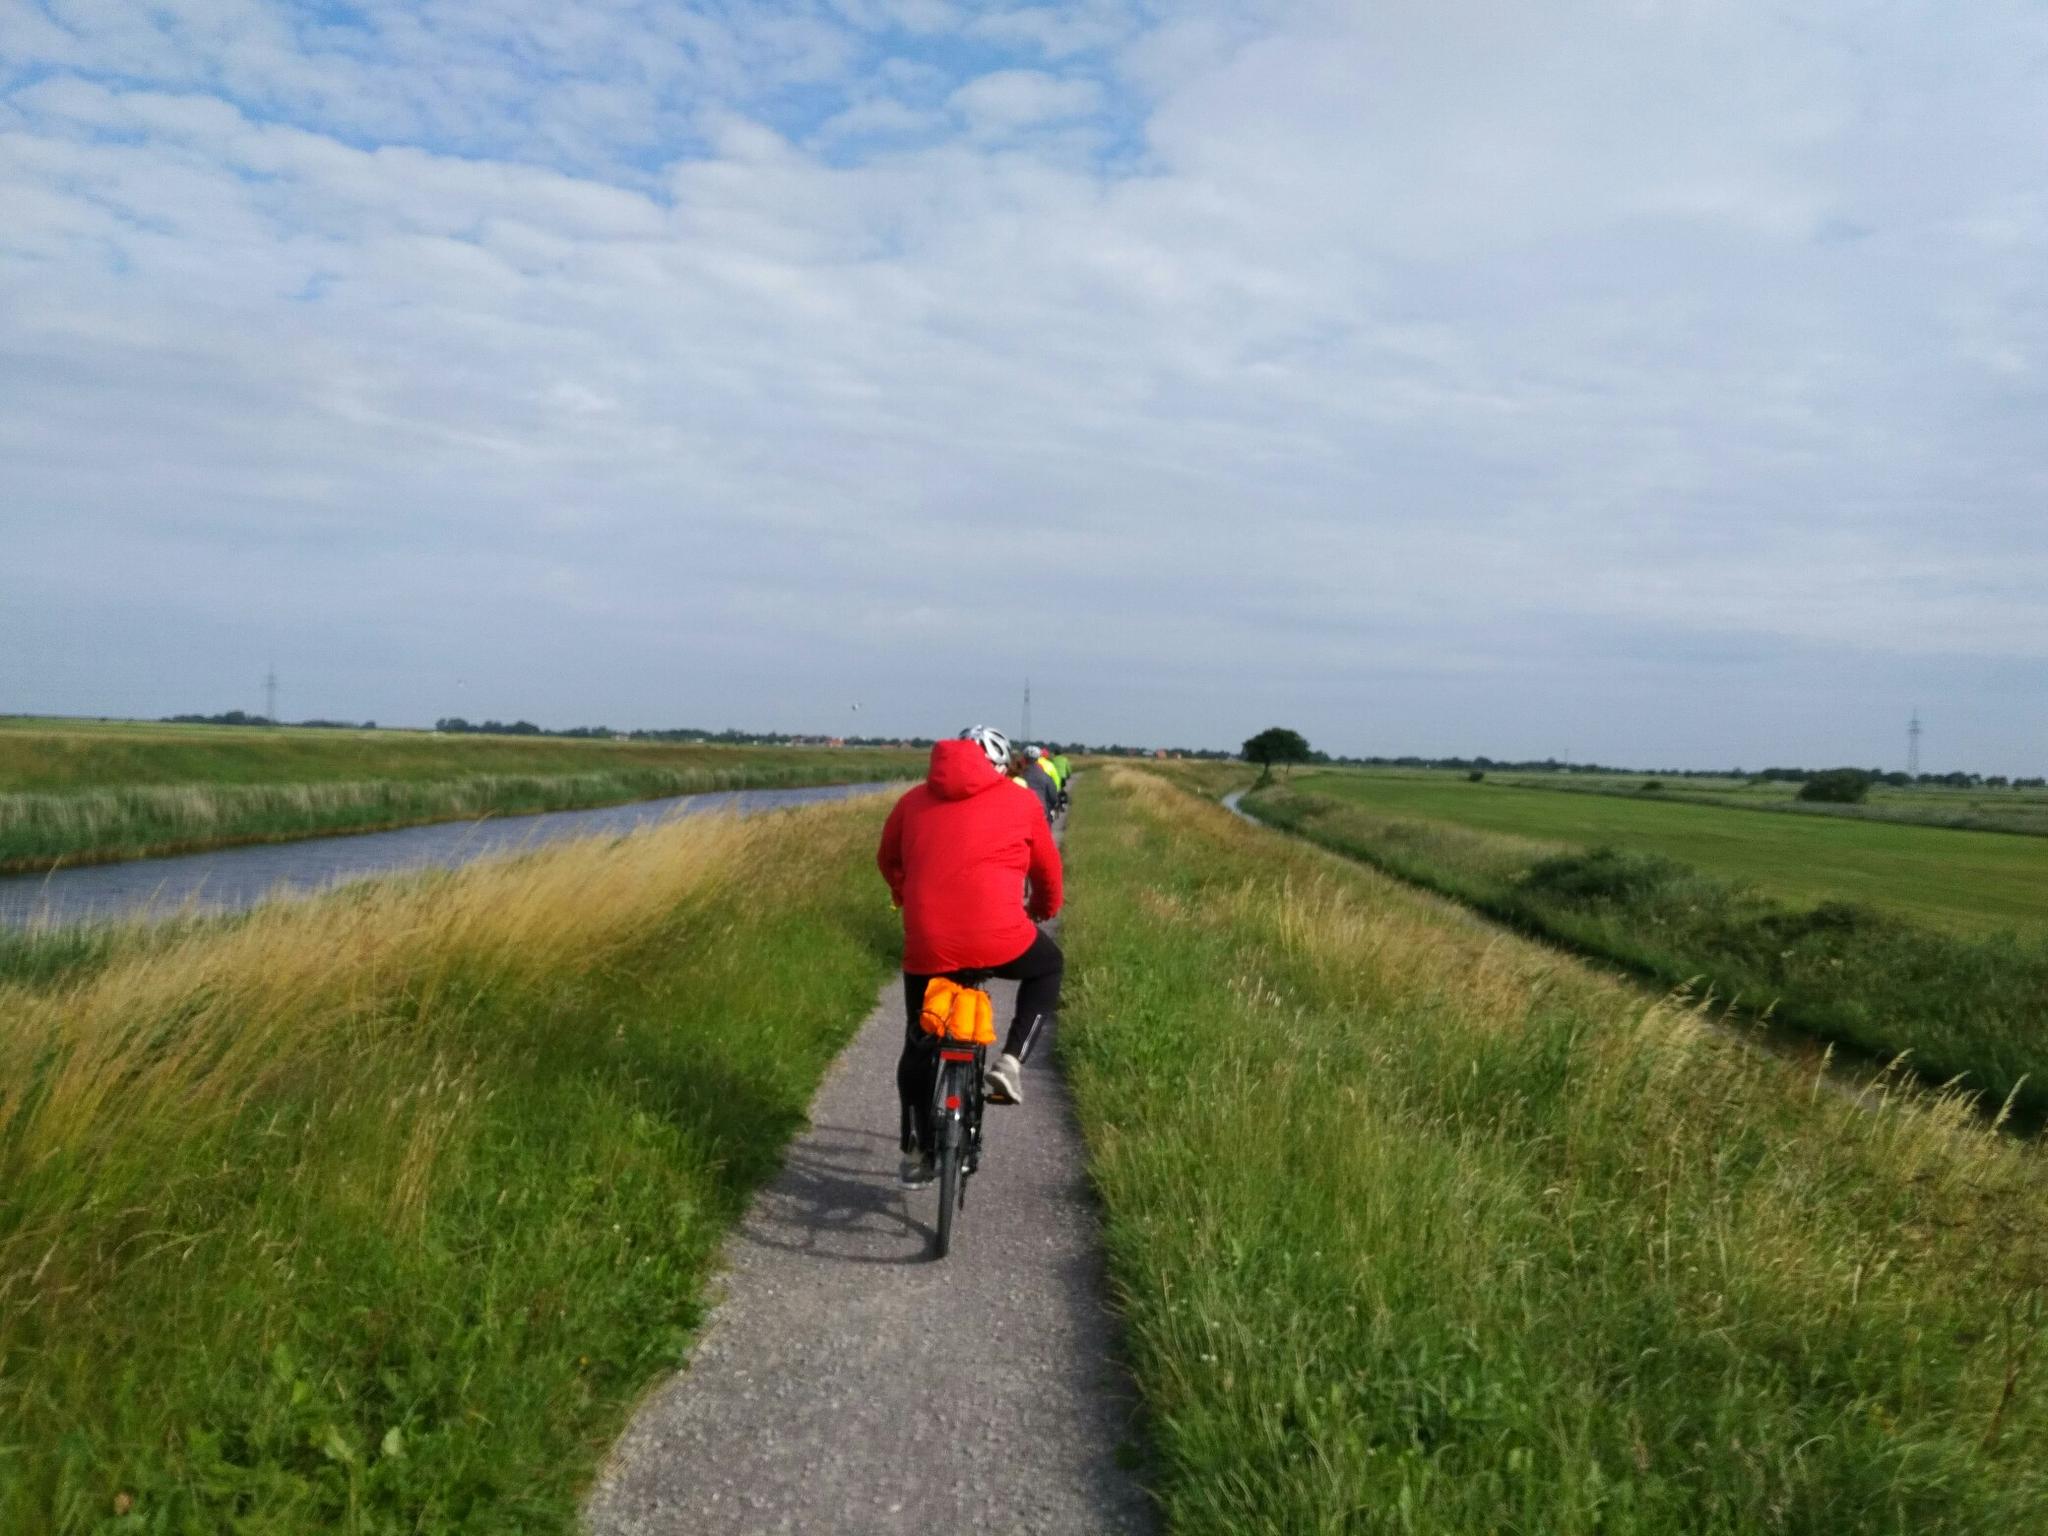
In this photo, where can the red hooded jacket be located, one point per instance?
(955, 852)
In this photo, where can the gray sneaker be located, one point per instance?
(917, 1171)
(1006, 1081)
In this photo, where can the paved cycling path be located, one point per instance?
(848, 1383)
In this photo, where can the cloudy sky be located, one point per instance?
(1661, 383)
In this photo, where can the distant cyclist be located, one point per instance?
(1066, 773)
(1030, 768)
(1056, 765)
(1057, 774)
(957, 851)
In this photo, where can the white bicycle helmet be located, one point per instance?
(993, 743)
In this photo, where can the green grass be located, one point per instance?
(1960, 1005)
(1987, 810)
(55, 756)
(40, 956)
(377, 1213)
(115, 792)
(1963, 880)
(1421, 1228)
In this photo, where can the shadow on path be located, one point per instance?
(829, 1204)
(847, 1382)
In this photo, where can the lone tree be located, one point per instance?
(1275, 744)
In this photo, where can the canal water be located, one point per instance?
(230, 879)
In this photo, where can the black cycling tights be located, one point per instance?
(1037, 973)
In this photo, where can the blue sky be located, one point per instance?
(1655, 382)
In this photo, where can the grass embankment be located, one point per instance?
(1961, 1005)
(374, 1213)
(115, 793)
(1420, 1227)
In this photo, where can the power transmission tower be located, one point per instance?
(270, 694)
(1027, 709)
(1913, 744)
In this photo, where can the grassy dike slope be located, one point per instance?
(374, 1213)
(1960, 1005)
(1965, 881)
(1422, 1228)
(101, 792)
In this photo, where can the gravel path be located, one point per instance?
(813, 1400)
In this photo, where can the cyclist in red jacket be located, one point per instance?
(956, 852)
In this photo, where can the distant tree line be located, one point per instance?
(1483, 765)
(232, 717)
(1902, 780)
(242, 717)
(733, 737)
(455, 725)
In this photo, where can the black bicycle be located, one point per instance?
(957, 1103)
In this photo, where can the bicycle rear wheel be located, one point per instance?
(949, 1199)
(952, 1138)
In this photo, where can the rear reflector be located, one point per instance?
(952, 1101)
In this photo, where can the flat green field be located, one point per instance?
(1985, 808)
(75, 791)
(53, 756)
(1957, 879)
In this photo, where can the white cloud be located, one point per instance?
(880, 117)
(1010, 99)
(914, 16)
(1513, 358)
(1059, 32)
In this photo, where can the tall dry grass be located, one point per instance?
(183, 1036)
(375, 1210)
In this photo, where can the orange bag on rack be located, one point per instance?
(963, 1015)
